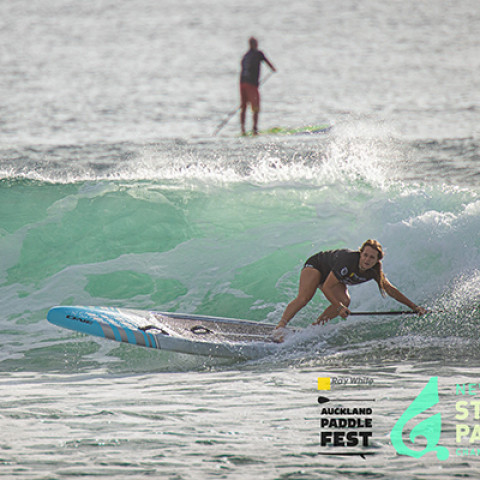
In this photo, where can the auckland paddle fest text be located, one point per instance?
(345, 427)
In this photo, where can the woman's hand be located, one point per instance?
(420, 310)
(343, 311)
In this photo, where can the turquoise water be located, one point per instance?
(114, 192)
(228, 239)
(225, 238)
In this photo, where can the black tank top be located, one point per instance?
(344, 265)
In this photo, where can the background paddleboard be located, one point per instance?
(193, 334)
(305, 130)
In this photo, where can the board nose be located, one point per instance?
(54, 315)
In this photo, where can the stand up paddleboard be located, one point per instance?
(193, 334)
(306, 130)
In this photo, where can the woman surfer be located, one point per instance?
(332, 271)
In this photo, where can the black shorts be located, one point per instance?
(315, 261)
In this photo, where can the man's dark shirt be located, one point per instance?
(251, 67)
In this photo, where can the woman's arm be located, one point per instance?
(396, 294)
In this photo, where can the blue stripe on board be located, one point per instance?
(153, 342)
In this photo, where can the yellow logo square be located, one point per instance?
(324, 383)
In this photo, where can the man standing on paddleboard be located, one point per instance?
(249, 81)
(332, 271)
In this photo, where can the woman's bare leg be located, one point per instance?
(310, 279)
(341, 294)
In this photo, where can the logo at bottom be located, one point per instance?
(430, 428)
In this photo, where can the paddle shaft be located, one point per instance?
(401, 312)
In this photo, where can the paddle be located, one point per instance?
(224, 122)
(395, 312)
(325, 400)
(233, 112)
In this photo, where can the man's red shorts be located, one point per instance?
(249, 94)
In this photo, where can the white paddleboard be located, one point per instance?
(194, 334)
